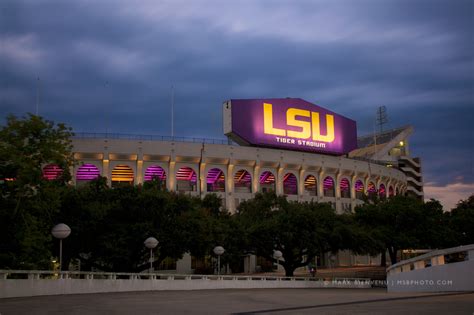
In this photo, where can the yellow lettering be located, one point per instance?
(268, 122)
(305, 126)
(329, 137)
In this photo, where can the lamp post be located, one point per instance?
(219, 250)
(277, 254)
(151, 243)
(61, 231)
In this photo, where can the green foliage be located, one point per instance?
(28, 201)
(300, 231)
(462, 222)
(29, 143)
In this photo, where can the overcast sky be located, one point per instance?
(111, 64)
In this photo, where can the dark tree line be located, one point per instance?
(109, 225)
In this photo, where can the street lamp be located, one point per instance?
(219, 250)
(151, 243)
(277, 254)
(61, 231)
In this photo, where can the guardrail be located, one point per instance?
(124, 136)
(16, 283)
(450, 269)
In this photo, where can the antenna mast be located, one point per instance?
(172, 112)
(382, 117)
(37, 95)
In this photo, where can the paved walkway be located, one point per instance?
(264, 301)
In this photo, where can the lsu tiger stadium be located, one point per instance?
(286, 145)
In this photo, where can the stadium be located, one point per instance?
(290, 146)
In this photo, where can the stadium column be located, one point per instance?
(105, 168)
(387, 188)
(321, 184)
(171, 180)
(353, 192)
(139, 176)
(202, 178)
(279, 180)
(230, 198)
(255, 178)
(337, 191)
(301, 183)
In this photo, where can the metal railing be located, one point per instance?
(49, 274)
(125, 136)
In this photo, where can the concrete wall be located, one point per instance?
(450, 277)
(33, 287)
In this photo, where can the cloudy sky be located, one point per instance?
(111, 64)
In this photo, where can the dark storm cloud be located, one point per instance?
(112, 64)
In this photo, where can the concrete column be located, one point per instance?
(139, 175)
(337, 184)
(301, 182)
(105, 169)
(230, 188)
(202, 178)
(279, 180)
(171, 179)
(256, 179)
(321, 175)
(353, 191)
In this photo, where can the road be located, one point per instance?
(258, 301)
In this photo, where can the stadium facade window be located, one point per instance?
(122, 175)
(328, 187)
(391, 192)
(371, 189)
(290, 184)
(242, 182)
(52, 172)
(186, 180)
(267, 181)
(155, 172)
(382, 191)
(345, 186)
(215, 180)
(86, 173)
(359, 189)
(310, 186)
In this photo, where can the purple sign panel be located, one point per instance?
(289, 123)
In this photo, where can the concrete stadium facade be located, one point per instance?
(234, 172)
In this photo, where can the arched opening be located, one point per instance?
(382, 191)
(371, 190)
(215, 180)
(391, 192)
(86, 173)
(310, 186)
(267, 181)
(397, 191)
(186, 179)
(122, 175)
(345, 188)
(242, 182)
(52, 172)
(328, 187)
(359, 189)
(290, 184)
(155, 172)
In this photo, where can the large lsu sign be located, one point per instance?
(289, 123)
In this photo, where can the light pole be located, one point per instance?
(151, 243)
(219, 250)
(277, 254)
(61, 231)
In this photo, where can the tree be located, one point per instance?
(401, 223)
(29, 202)
(301, 231)
(461, 221)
